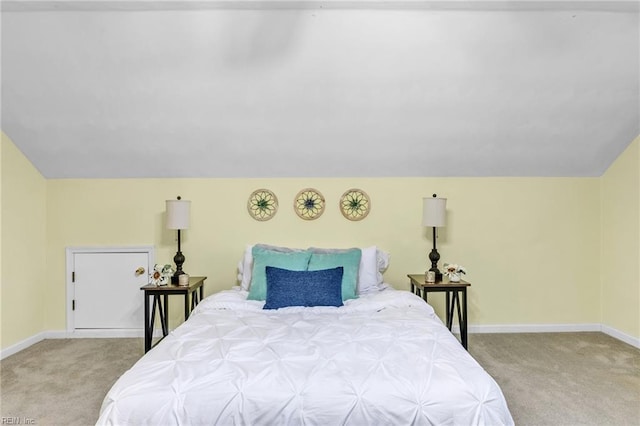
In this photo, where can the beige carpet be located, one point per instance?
(548, 379)
(563, 378)
(63, 382)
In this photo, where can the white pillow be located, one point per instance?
(382, 258)
(372, 264)
(244, 268)
(368, 272)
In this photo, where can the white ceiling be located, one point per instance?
(335, 88)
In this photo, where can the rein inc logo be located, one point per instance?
(17, 421)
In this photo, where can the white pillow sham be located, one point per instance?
(372, 264)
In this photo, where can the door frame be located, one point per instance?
(70, 253)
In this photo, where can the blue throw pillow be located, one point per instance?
(303, 288)
(262, 257)
(349, 260)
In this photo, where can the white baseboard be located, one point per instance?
(552, 328)
(515, 328)
(616, 334)
(534, 328)
(24, 344)
(76, 334)
(100, 333)
(97, 333)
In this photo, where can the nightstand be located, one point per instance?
(162, 305)
(420, 287)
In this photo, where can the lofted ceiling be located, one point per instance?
(301, 88)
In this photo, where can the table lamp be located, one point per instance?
(178, 218)
(433, 214)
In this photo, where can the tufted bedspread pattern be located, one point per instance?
(382, 359)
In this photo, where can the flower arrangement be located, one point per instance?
(453, 271)
(161, 274)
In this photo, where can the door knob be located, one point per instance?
(139, 271)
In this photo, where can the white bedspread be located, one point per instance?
(382, 359)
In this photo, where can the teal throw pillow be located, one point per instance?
(349, 260)
(293, 261)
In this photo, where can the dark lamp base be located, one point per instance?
(178, 259)
(174, 277)
(434, 257)
(438, 274)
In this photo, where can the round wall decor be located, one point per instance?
(309, 204)
(262, 204)
(355, 204)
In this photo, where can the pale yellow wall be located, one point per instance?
(2, 136)
(24, 272)
(1, 244)
(531, 245)
(620, 282)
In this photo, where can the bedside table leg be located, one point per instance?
(186, 305)
(162, 311)
(166, 314)
(195, 299)
(463, 323)
(148, 327)
(457, 307)
(449, 308)
(151, 320)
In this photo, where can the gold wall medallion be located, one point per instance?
(262, 204)
(355, 204)
(309, 204)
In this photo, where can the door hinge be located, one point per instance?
(73, 277)
(73, 305)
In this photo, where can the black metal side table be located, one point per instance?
(161, 305)
(420, 287)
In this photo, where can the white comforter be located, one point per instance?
(382, 359)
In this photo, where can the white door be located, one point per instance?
(107, 291)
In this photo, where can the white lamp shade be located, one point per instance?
(178, 214)
(434, 211)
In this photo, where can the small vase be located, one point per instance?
(454, 278)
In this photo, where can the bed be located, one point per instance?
(380, 358)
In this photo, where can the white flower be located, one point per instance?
(167, 270)
(453, 268)
(161, 274)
